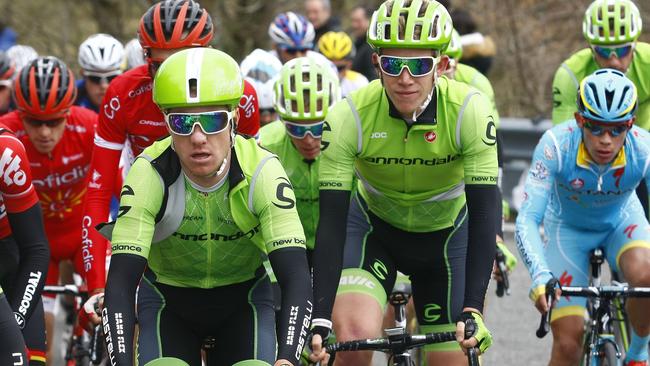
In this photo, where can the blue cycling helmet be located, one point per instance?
(607, 95)
(291, 30)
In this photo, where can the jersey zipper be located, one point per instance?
(208, 247)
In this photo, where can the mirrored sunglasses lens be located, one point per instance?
(181, 124)
(300, 131)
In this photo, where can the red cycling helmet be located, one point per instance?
(7, 68)
(174, 24)
(45, 89)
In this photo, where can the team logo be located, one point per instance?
(430, 136)
(548, 152)
(577, 183)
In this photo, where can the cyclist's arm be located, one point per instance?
(479, 148)
(335, 180)
(539, 182)
(643, 115)
(109, 141)
(26, 221)
(139, 203)
(565, 87)
(275, 204)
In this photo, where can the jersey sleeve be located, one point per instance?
(16, 186)
(478, 141)
(564, 95)
(274, 202)
(539, 182)
(339, 149)
(140, 202)
(249, 111)
(643, 115)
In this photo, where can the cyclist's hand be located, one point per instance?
(541, 304)
(538, 292)
(318, 353)
(511, 260)
(89, 314)
(481, 337)
(282, 362)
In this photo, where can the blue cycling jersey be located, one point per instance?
(565, 185)
(82, 97)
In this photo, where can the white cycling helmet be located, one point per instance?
(292, 30)
(261, 69)
(21, 55)
(133, 54)
(101, 53)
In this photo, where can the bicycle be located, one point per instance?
(399, 342)
(82, 349)
(606, 325)
(503, 283)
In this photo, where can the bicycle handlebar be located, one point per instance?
(607, 292)
(545, 320)
(65, 290)
(503, 285)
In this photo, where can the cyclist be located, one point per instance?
(261, 70)
(338, 48)
(24, 255)
(424, 150)
(473, 77)
(7, 72)
(197, 211)
(58, 138)
(130, 121)
(100, 58)
(133, 56)
(21, 55)
(611, 29)
(581, 186)
(303, 93)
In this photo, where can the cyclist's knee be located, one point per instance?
(356, 316)
(359, 358)
(567, 338)
(635, 264)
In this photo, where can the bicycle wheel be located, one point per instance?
(621, 325)
(608, 355)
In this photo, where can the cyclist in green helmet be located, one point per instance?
(424, 150)
(611, 29)
(303, 93)
(198, 210)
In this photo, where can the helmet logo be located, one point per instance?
(430, 136)
(577, 183)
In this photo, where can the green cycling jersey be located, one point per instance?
(582, 63)
(411, 175)
(302, 174)
(196, 237)
(469, 75)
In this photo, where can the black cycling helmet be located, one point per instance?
(174, 24)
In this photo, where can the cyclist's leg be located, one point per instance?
(49, 301)
(361, 296)
(436, 262)
(248, 333)
(567, 254)
(162, 332)
(628, 252)
(12, 346)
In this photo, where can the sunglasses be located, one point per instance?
(416, 66)
(300, 131)
(341, 67)
(264, 111)
(210, 122)
(619, 51)
(101, 78)
(614, 129)
(293, 51)
(51, 123)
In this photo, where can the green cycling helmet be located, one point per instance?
(167, 361)
(611, 22)
(455, 49)
(427, 24)
(305, 90)
(198, 77)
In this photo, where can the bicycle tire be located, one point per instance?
(621, 326)
(608, 357)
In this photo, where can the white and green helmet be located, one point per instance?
(611, 22)
(305, 90)
(430, 28)
(197, 77)
(455, 49)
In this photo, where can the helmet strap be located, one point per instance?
(427, 100)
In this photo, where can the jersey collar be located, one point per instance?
(583, 159)
(428, 116)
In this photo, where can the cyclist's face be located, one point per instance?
(200, 154)
(405, 91)
(613, 62)
(309, 146)
(604, 148)
(5, 95)
(44, 135)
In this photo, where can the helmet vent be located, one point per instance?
(620, 102)
(609, 97)
(192, 83)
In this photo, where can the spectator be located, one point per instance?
(7, 37)
(359, 21)
(478, 49)
(319, 13)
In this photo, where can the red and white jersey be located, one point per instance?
(60, 177)
(17, 192)
(129, 118)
